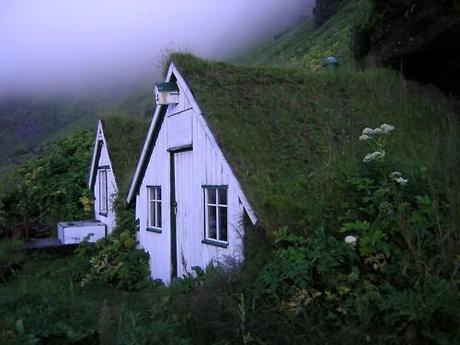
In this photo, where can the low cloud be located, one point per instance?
(66, 46)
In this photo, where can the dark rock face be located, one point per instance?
(421, 38)
(325, 9)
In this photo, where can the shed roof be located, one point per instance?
(284, 130)
(124, 136)
(280, 128)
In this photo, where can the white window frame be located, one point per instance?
(103, 192)
(217, 205)
(154, 222)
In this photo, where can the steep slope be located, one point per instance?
(28, 124)
(420, 38)
(283, 129)
(307, 46)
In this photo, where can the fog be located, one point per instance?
(76, 45)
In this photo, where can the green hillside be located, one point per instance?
(29, 124)
(297, 128)
(306, 47)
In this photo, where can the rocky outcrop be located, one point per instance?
(419, 37)
(325, 9)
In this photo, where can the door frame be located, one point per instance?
(173, 205)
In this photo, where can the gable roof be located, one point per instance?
(124, 137)
(260, 121)
(281, 129)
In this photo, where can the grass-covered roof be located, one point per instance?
(125, 136)
(284, 131)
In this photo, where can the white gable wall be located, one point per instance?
(104, 162)
(203, 165)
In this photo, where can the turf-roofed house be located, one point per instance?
(231, 145)
(117, 147)
(189, 203)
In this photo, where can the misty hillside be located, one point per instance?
(29, 124)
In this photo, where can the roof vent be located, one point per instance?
(166, 93)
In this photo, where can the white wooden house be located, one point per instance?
(102, 181)
(117, 147)
(189, 203)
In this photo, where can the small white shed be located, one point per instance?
(189, 204)
(117, 147)
(102, 181)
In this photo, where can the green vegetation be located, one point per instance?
(290, 135)
(29, 125)
(125, 137)
(49, 188)
(358, 239)
(307, 47)
(44, 305)
(115, 260)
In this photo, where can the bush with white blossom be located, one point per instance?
(376, 137)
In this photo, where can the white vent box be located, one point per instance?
(76, 232)
(166, 93)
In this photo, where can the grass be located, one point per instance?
(288, 132)
(125, 137)
(307, 47)
(290, 135)
(45, 303)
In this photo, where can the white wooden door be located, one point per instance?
(184, 210)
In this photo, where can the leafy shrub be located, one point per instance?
(115, 260)
(47, 189)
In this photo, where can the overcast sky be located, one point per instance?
(58, 45)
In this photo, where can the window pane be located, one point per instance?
(223, 223)
(212, 232)
(223, 196)
(158, 215)
(158, 193)
(103, 190)
(151, 214)
(211, 196)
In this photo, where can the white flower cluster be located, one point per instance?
(368, 133)
(372, 156)
(386, 128)
(398, 178)
(351, 240)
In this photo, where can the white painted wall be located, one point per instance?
(204, 165)
(104, 161)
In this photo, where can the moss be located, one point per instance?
(288, 133)
(125, 136)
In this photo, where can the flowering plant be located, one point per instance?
(377, 138)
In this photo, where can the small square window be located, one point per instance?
(216, 215)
